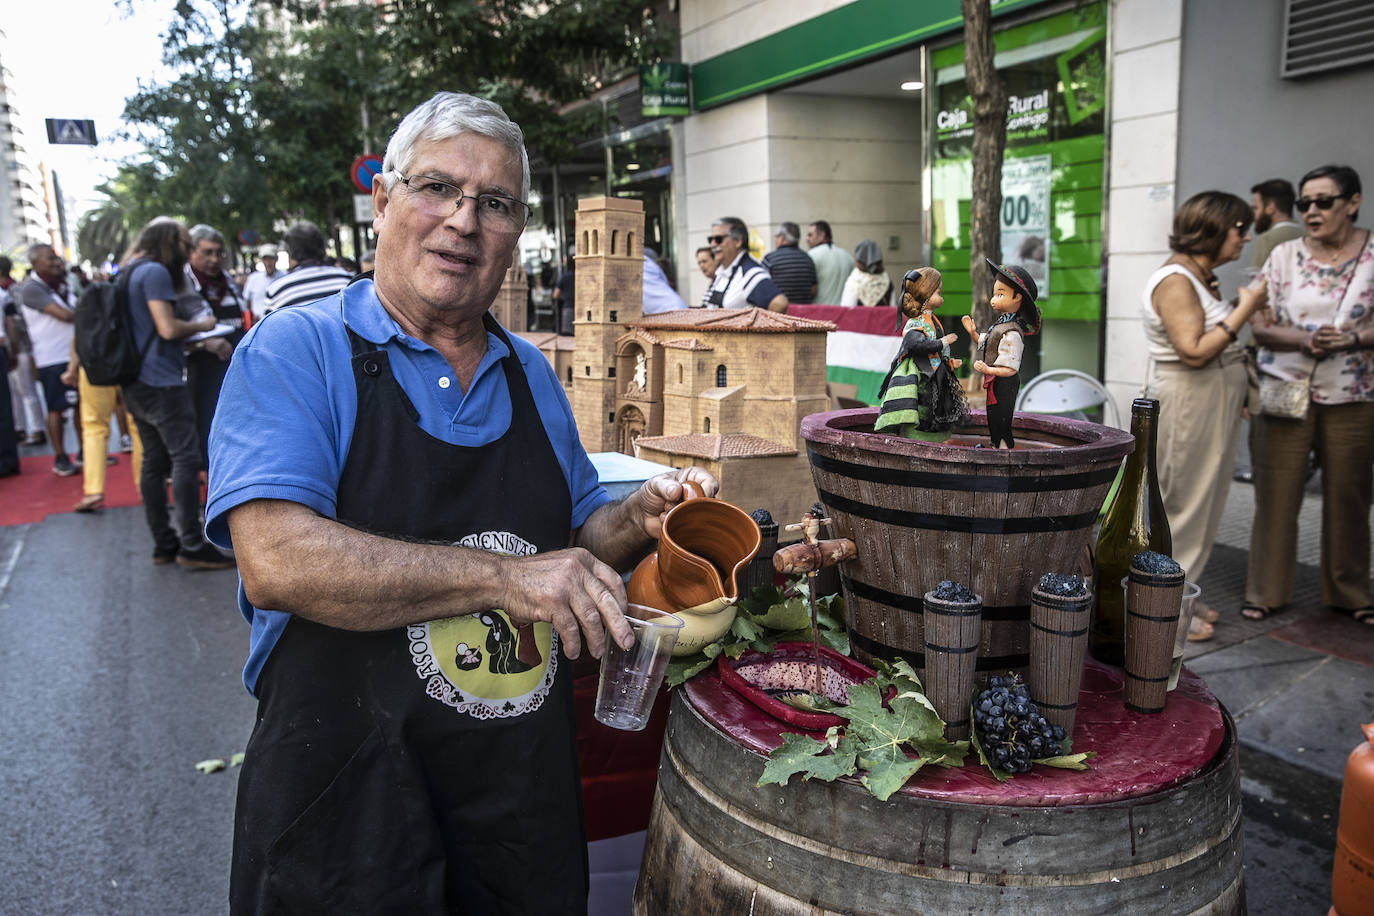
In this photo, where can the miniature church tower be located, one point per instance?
(509, 307)
(609, 293)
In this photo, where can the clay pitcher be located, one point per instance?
(705, 545)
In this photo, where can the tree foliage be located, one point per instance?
(272, 99)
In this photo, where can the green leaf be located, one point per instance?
(887, 770)
(210, 766)
(744, 628)
(1066, 761)
(792, 614)
(811, 758)
(679, 670)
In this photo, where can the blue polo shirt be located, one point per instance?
(285, 417)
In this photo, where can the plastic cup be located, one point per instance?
(630, 678)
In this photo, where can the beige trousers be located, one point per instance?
(1343, 437)
(1199, 422)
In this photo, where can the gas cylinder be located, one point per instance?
(1352, 875)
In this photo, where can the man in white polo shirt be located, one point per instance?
(740, 280)
(49, 310)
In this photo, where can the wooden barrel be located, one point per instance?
(1059, 638)
(953, 630)
(1153, 601)
(718, 845)
(921, 512)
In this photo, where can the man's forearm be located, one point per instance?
(292, 559)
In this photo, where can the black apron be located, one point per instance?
(430, 769)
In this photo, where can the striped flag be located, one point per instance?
(860, 349)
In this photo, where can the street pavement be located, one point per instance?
(119, 676)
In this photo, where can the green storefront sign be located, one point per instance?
(663, 90)
(1054, 70)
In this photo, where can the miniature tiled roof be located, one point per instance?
(751, 319)
(687, 343)
(542, 339)
(709, 445)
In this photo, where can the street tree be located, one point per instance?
(989, 97)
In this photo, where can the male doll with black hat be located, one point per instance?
(1013, 299)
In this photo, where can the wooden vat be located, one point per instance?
(718, 845)
(994, 520)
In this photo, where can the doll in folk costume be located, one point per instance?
(1018, 317)
(921, 398)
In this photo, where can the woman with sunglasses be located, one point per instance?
(1318, 332)
(1197, 372)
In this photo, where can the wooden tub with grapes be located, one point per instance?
(1152, 826)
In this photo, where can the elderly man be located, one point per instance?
(208, 359)
(422, 546)
(790, 267)
(309, 277)
(740, 280)
(49, 311)
(255, 287)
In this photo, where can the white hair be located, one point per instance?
(448, 114)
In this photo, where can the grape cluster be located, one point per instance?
(1010, 728)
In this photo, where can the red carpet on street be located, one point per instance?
(36, 492)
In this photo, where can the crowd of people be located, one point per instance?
(187, 314)
(1305, 382)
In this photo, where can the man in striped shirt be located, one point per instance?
(309, 278)
(740, 280)
(790, 267)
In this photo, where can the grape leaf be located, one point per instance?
(887, 770)
(792, 614)
(1066, 761)
(744, 628)
(811, 758)
(903, 721)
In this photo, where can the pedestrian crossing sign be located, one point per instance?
(71, 131)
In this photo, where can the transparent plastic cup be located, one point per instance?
(1191, 592)
(630, 678)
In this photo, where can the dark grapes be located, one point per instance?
(1010, 728)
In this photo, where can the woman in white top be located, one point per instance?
(1321, 330)
(868, 283)
(1198, 373)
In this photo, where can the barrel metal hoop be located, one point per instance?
(1037, 626)
(968, 483)
(918, 659)
(958, 524)
(1165, 619)
(1149, 710)
(951, 650)
(947, 611)
(916, 604)
(1064, 706)
(1147, 680)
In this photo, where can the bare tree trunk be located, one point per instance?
(989, 97)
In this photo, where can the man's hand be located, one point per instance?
(657, 495)
(579, 595)
(220, 347)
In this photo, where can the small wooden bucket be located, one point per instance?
(1059, 637)
(953, 630)
(1153, 601)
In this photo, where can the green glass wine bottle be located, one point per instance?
(1135, 521)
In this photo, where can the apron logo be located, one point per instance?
(484, 664)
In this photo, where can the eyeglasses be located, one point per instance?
(437, 197)
(716, 239)
(1323, 203)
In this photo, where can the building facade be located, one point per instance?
(24, 206)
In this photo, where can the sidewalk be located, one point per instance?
(1298, 686)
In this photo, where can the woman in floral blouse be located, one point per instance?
(1321, 329)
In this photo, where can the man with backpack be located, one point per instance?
(158, 400)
